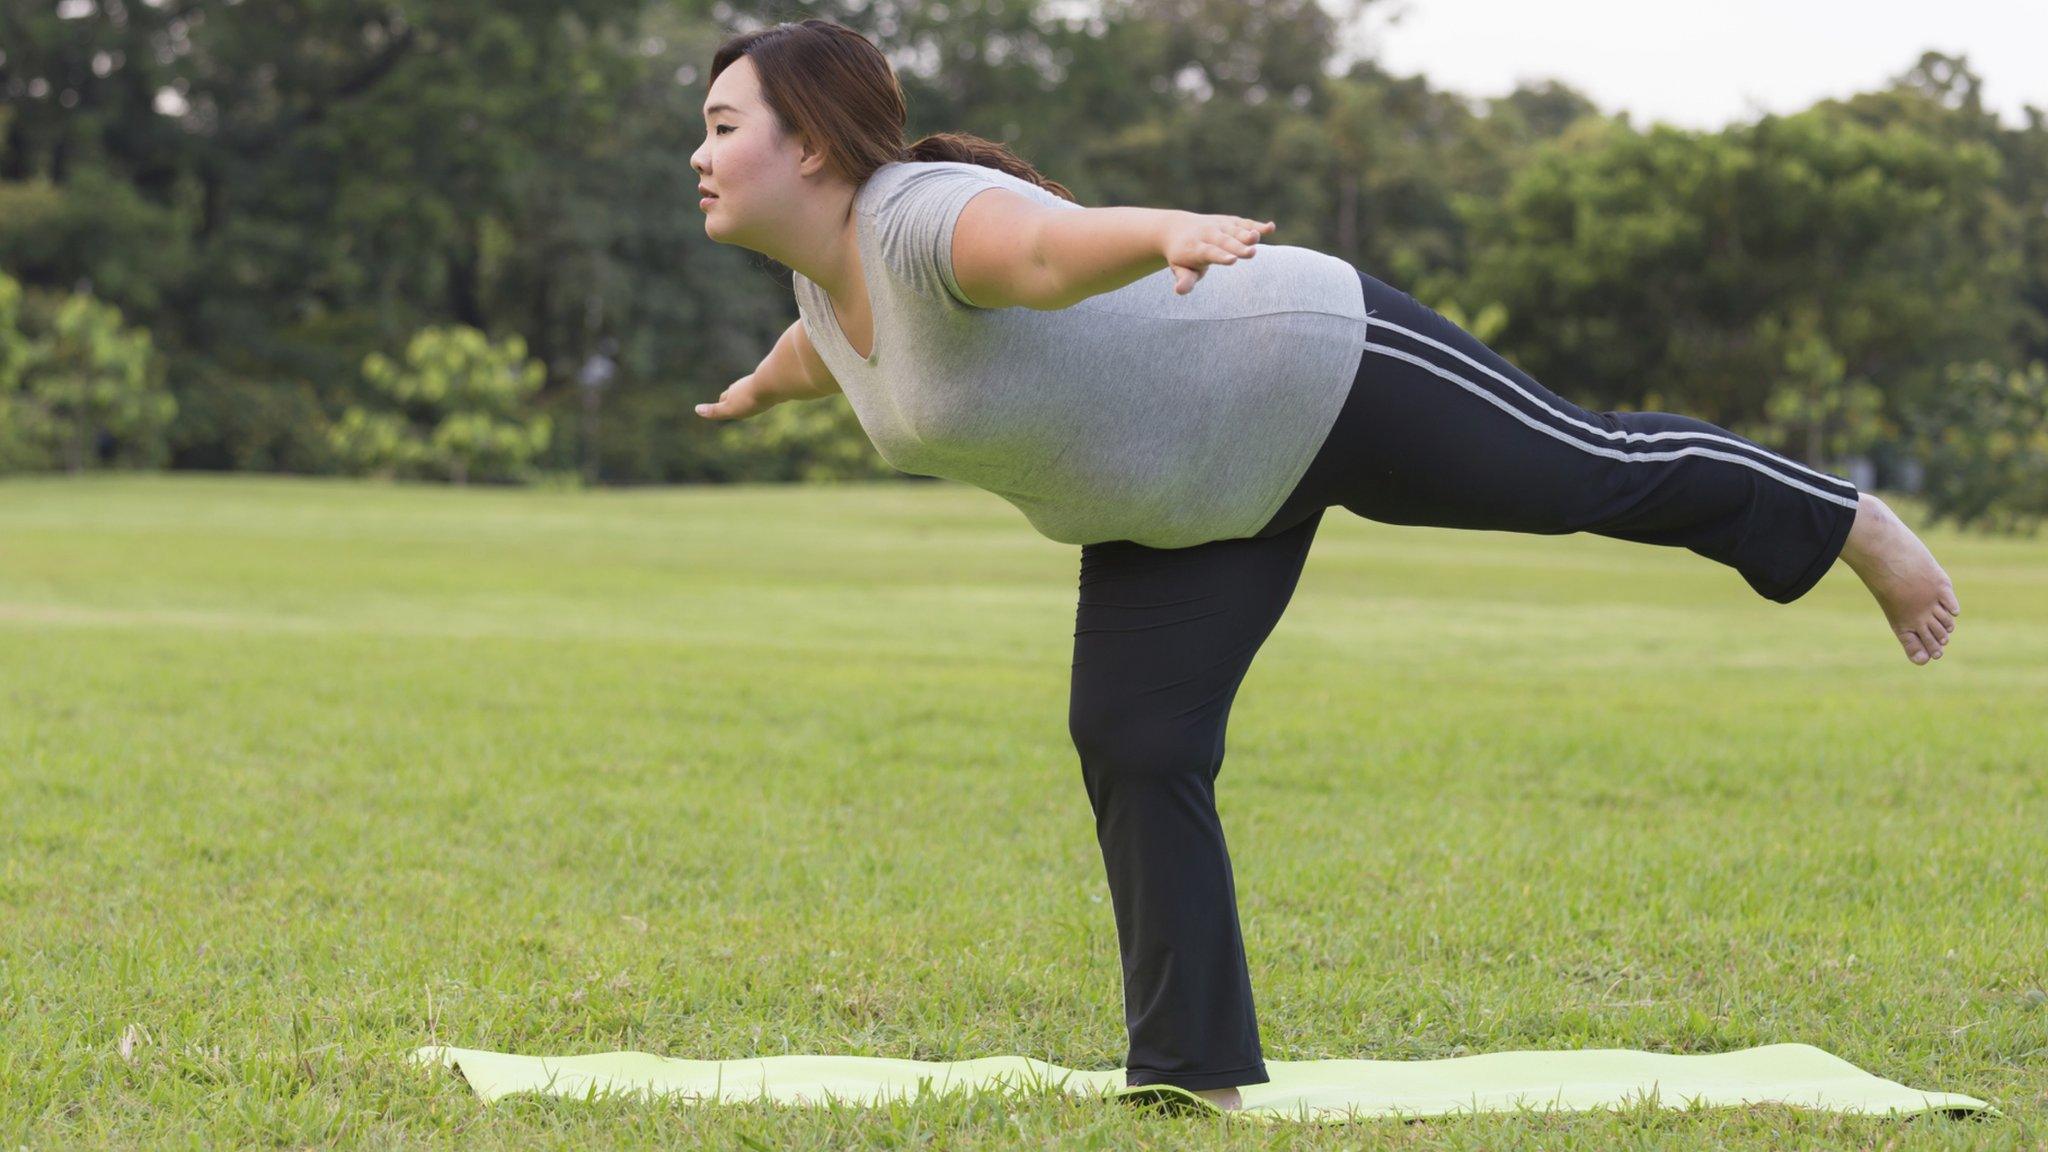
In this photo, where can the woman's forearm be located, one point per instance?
(782, 374)
(1097, 250)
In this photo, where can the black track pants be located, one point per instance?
(1437, 430)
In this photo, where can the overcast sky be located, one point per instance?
(1703, 64)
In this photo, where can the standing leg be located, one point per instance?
(1162, 639)
(1440, 430)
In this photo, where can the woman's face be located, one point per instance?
(750, 166)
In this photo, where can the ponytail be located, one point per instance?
(966, 149)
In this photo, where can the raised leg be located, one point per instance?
(1440, 430)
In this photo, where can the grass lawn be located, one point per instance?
(302, 774)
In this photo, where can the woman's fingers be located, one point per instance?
(726, 407)
(1223, 240)
(1247, 235)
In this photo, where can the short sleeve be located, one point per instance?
(811, 303)
(913, 219)
(806, 305)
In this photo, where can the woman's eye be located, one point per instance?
(721, 127)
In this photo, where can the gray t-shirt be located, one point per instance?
(1137, 414)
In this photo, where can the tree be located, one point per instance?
(1985, 441)
(24, 427)
(73, 379)
(458, 399)
(329, 175)
(1701, 267)
(1814, 404)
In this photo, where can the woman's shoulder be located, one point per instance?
(905, 182)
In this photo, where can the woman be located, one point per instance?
(986, 328)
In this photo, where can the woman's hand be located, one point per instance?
(741, 399)
(1194, 243)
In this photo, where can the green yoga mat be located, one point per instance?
(1311, 1090)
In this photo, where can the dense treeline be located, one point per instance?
(301, 209)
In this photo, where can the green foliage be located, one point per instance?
(100, 229)
(1483, 324)
(230, 422)
(459, 410)
(1986, 445)
(1815, 405)
(1405, 154)
(1697, 264)
(326, 185)
(13, 343)
(72, 375)
(24, 427)
(809, 440)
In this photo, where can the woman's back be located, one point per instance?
(1137, 414)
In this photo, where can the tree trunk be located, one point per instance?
(1813, 428)
(539, 341)
(1347, 216)
(589, 436)
(464, 272)
(212, 200)
(74, 447)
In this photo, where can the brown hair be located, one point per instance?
(831, 85)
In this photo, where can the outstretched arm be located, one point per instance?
(1009, 251)
(790, 371)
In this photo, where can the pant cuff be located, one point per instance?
(1837, 536)
(1192, 1081)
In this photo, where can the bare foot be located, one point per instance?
(1916, 595)
(1224, 1098)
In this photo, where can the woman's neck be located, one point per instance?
(824, 247)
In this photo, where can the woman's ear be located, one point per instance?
(810, 160)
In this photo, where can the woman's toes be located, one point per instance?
(1949, 601)
(1937, 633)
(1915, 651)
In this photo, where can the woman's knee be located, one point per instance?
(1121, 739)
